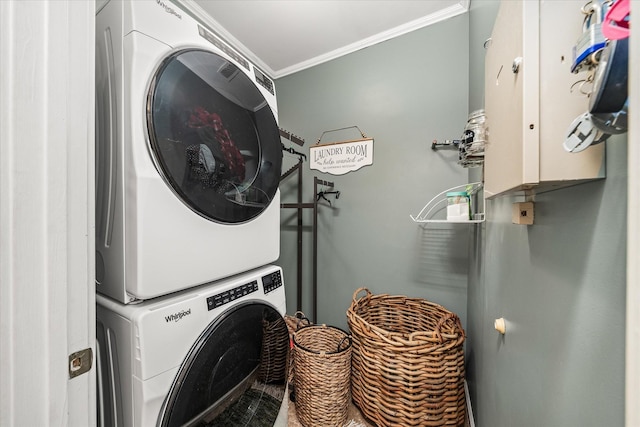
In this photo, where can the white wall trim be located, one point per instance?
(425, 21)
(47, 296)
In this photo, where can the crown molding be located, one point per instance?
(425, 21)
(197, 12)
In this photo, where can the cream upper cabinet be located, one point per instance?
(529, 103)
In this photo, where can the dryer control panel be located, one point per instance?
(272, 281)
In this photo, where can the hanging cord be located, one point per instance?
(339, 129)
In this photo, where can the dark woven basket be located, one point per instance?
(274, 351)
(407, 362)
(322, 375)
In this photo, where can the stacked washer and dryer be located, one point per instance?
(188, 162)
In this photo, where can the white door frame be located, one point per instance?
(47, 300)
(632, 368)
(47, 293)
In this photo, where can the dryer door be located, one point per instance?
(213, 136)
(234, 374)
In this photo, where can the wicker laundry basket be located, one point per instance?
(295, 322)
(274, 351)
(322, 375)
(407, 362)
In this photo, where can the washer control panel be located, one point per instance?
(226, 297)
(272, 281)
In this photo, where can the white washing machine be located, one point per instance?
(188, 154)
(210, 355)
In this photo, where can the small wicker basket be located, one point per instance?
(407, 362)
(274, 351)
(322, 375)
(295, 322)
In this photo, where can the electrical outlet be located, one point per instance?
(522, 213)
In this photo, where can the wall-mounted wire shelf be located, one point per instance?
(439, 202)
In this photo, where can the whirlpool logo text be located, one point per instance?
(175, 317)
(169, 9)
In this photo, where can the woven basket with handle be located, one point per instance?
(295, 322)
(407, 361)
(274, 351)
(322, 375)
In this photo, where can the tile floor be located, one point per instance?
(354, 418)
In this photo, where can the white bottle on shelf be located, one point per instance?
(458, 206)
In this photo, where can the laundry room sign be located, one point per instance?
(338, 158)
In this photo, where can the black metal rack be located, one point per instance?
(300, 205)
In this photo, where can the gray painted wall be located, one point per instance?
(482, 14)
(560, 284)
(404, 93)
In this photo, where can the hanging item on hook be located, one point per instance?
(471, 146)
(610, 81)
(592, 129)
(341, 157)
(608, 101)
(617, 20)
(292, 151)
(323, 194)
(586, 52)
(582, 133)
(474, 138)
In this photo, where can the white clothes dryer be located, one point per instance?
(188, 154)
(210, 355)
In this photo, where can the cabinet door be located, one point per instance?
(511, 98)
(529, 102)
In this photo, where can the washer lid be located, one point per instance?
(213, 136)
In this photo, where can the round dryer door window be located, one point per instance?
(213, 136)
